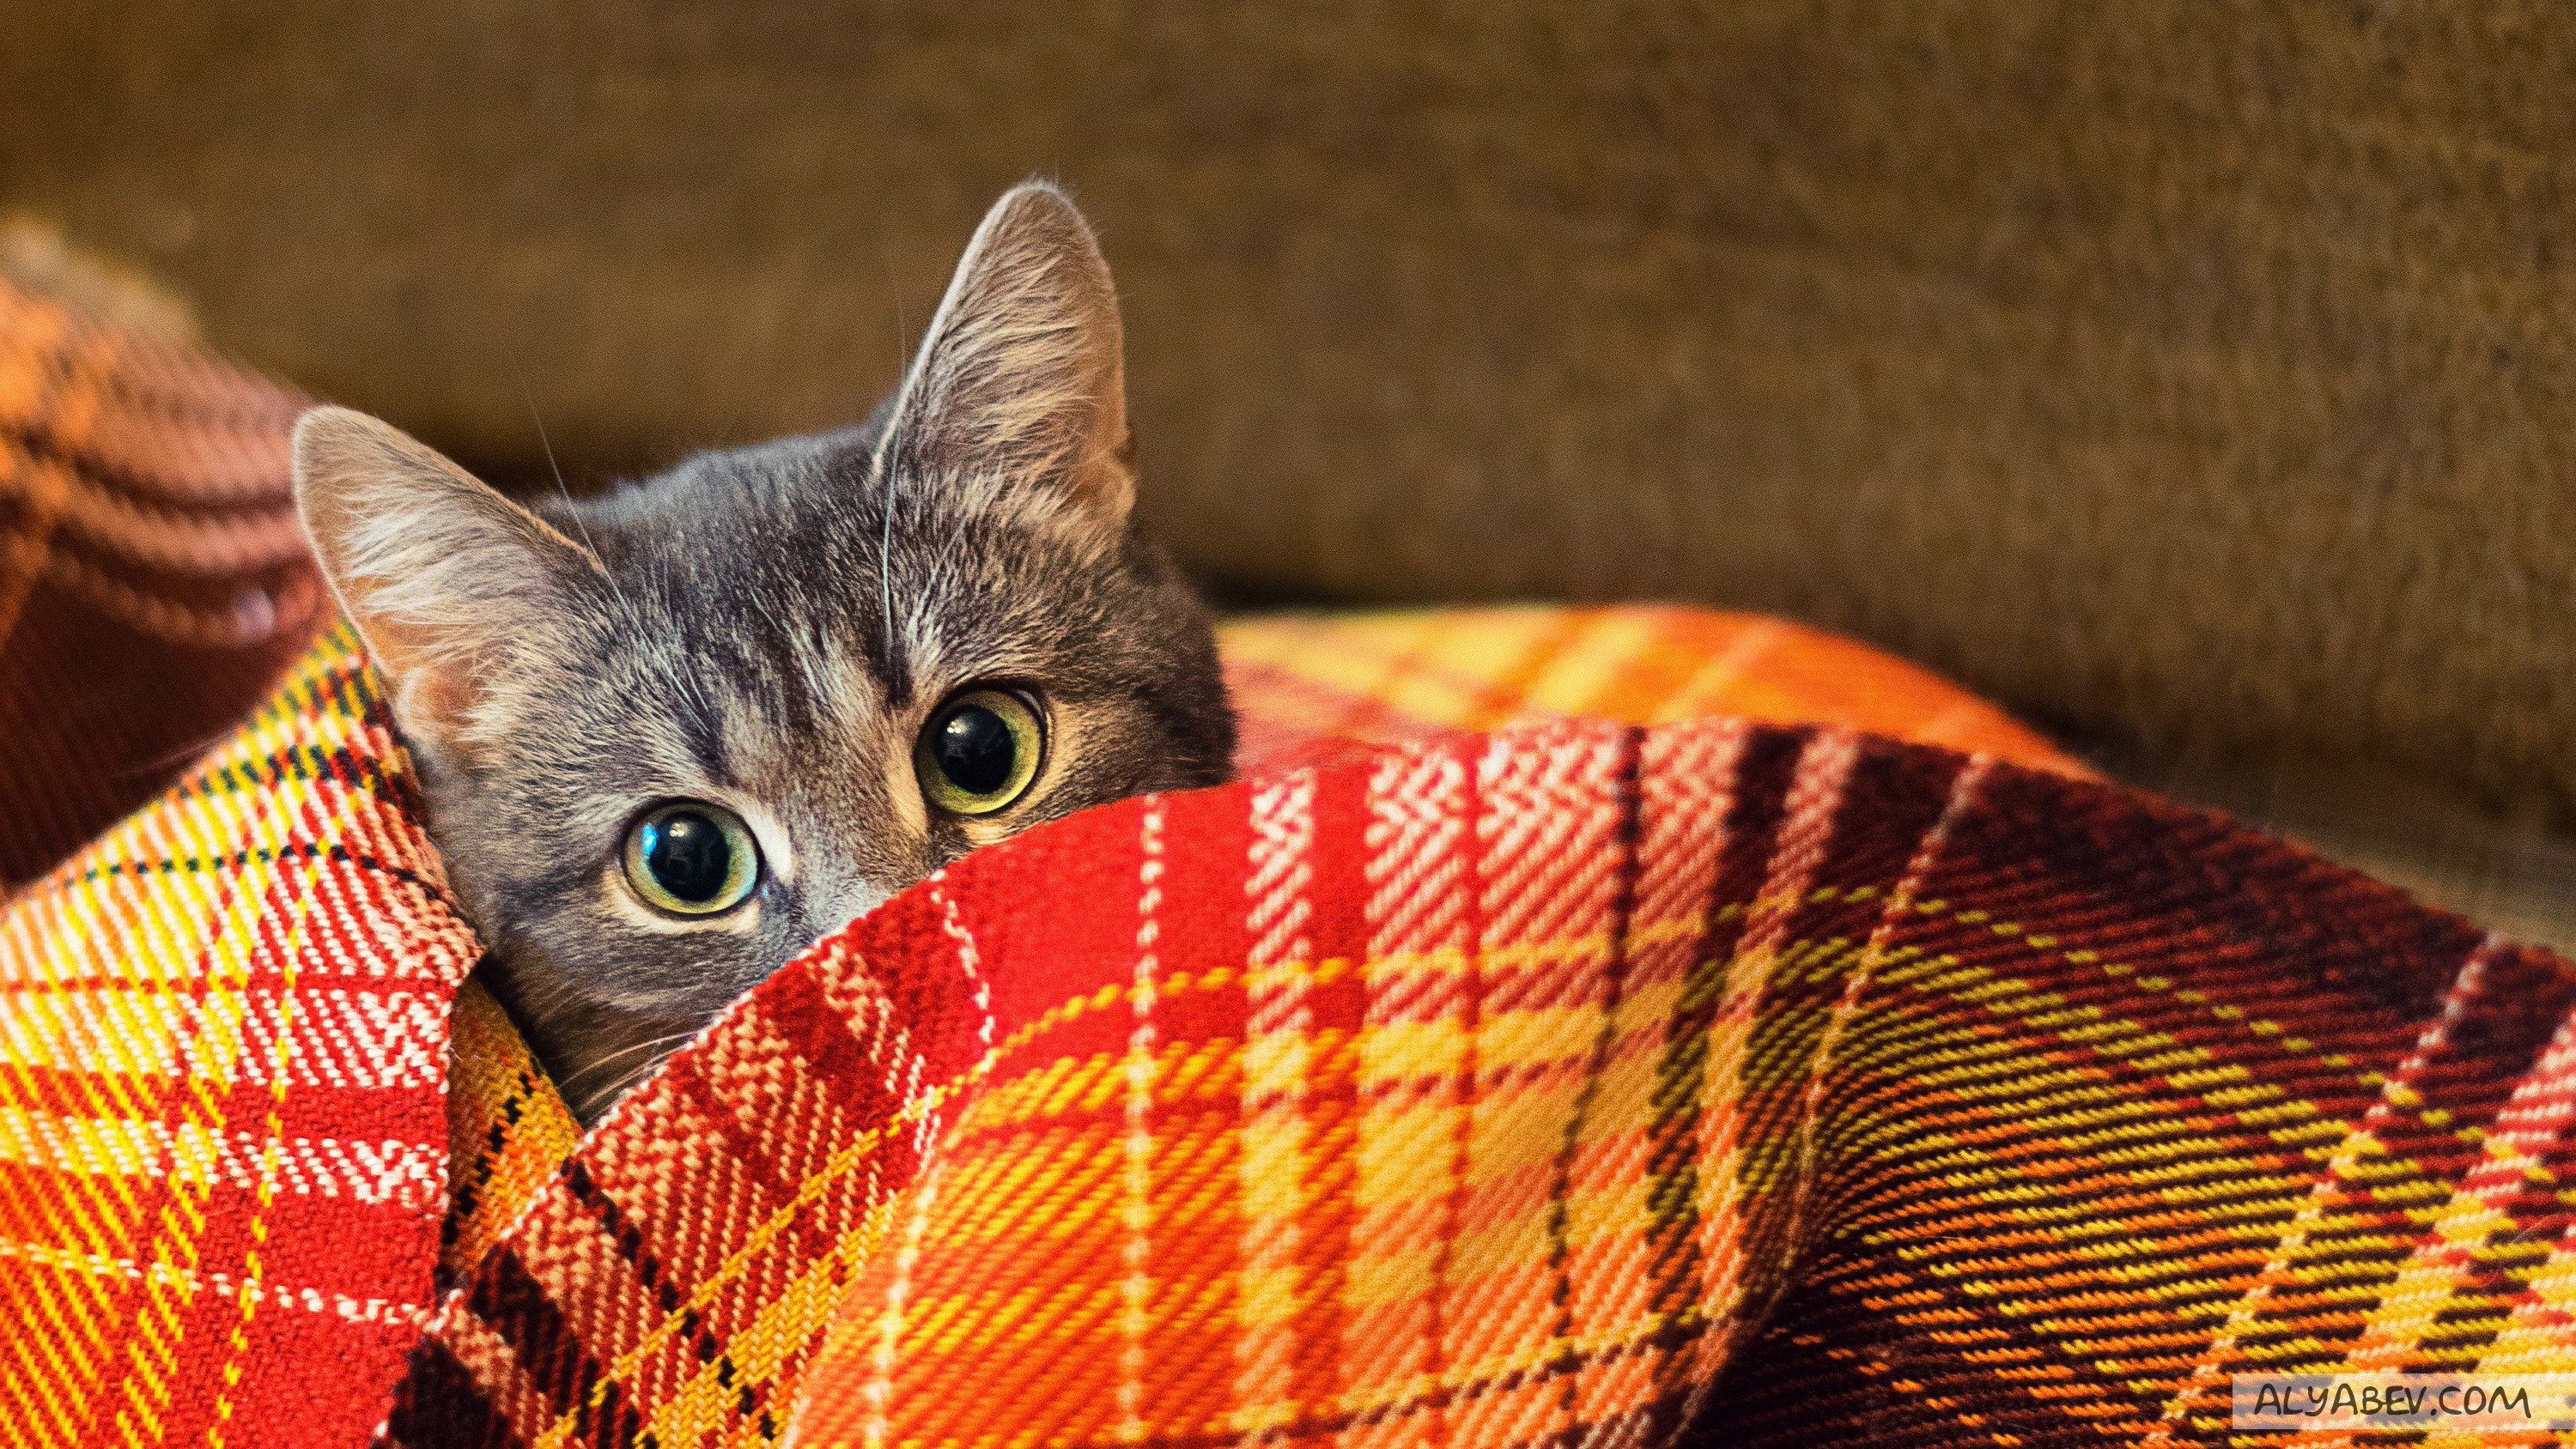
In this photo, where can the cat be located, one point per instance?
(670, 736)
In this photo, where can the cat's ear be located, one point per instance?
(1020, 389)
(459, 593)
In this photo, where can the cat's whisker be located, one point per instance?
(885, 484)
(561, 489)
(586, 1108)
(661, 1042)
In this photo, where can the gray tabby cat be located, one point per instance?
(671, 736)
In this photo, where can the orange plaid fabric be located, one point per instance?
(1308, 685)
(1578, 1083)
(223, 1039)
(222, 1021)
(153, 582)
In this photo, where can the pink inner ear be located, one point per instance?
(439, 702)
(436, 688)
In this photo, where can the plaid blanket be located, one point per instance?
(153, 582)
(1614, 1069)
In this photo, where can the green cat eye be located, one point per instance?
(692, 858)
(979, 751)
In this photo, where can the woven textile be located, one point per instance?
(223, 1036)
(221, 1024)
(1325, 687)
(152, 580)
(1309, 686)
(1552, 1087)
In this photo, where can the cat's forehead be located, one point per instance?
(791, 577)
(718, 513)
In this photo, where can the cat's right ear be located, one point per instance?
(457, 591)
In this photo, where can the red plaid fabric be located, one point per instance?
(153, 582)
(223, 1052)
(1568, 1085)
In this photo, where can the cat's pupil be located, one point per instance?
(976, 750)
(688, 855)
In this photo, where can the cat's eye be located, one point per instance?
(692, 858)
(979, 751)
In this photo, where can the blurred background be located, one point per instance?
(2194, 380)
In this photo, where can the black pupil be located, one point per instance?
(975, 750)
(688, 855)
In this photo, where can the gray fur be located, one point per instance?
(768, 628)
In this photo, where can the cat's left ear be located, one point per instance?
(1019, 393)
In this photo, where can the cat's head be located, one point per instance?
(670, 737)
